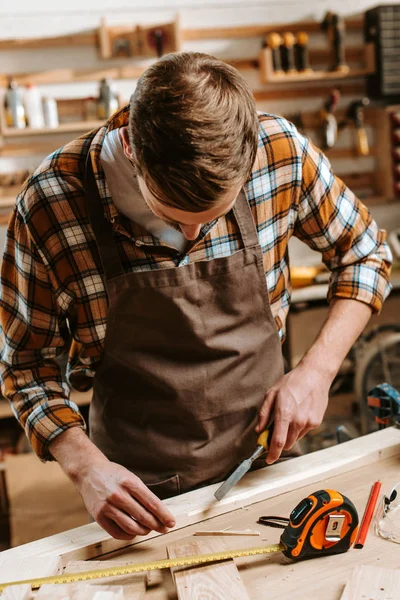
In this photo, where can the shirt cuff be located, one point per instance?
(50, 420)
(361, 282)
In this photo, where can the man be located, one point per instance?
(158, 246)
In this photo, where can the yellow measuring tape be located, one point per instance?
(128, 569)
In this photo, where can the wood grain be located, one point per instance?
(134, 585)
(28, 568)
(17, 592)
(214, 581)
(193, 507)
(78, 591)
(372, 583)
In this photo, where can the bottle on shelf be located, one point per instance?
(50, 112)
(107, 102)
(14, 107)
(34, 107)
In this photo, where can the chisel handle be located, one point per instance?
(265, 437)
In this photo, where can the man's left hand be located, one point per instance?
(298, 402)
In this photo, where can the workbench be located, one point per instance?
(351, 468)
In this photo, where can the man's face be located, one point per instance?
(189, 223)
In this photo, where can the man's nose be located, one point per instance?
(191, 232)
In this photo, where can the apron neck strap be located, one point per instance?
(102, 228)
(104, 234)
(244, 218)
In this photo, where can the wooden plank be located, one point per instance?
(78, 126)
(79, 591)
(373, 583)
(214, 581)
(28, 568)
(245, 31)
(90, 541)
(309, 91)
(17, 592)
(134, 585)
(85, 38)
(227, 533)
(90, 38)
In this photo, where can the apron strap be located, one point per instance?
(244, 218)
(104, 233)
(102, 228)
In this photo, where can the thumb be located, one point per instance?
(265, 410)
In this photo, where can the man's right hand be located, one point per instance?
(117, 499)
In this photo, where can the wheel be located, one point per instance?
(379, 362)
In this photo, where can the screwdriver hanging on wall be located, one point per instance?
(274, 42)
(288, 56)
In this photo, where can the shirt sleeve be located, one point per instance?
(334, 222)
(33, 332)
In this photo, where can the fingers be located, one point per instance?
(113, 529)
(279, 438)
(152, 506)
(125, 522)
(123, 501)
(266, 410)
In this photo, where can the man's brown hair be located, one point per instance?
(193, 130)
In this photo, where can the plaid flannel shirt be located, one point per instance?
(53, 295)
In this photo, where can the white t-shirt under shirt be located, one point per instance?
(120, 176)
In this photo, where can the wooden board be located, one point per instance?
(28, 568)
(17, 592)
(90, 540)
(215, 581)
(134, 585)
(79, 591)
(372, 583)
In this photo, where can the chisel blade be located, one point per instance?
(233, 479)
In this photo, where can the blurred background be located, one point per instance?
(331, 67)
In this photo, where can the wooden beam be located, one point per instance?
(28, 568)
(219, 580)
(373, 583)
(134, 585)
(317, 56)
(90, 541)
(17, 592)
(85, 38)
(90, 38)
(347, 88)
(247, 31)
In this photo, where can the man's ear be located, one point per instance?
(126, 143)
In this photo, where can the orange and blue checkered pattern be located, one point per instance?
(52, 289)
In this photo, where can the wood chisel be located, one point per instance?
(262, 445)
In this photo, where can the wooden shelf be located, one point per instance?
(268, 75)
(91, 37)
(79, 126)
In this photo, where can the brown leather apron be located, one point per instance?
(189, 354)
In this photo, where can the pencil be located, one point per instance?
(368, 514)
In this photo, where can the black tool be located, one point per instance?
(274, 42)
(382, 29)
(334, 25)
(355, 114)
(289, 62)
(329, 126)
(326, 522)
(157, 39)
(303, 64)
